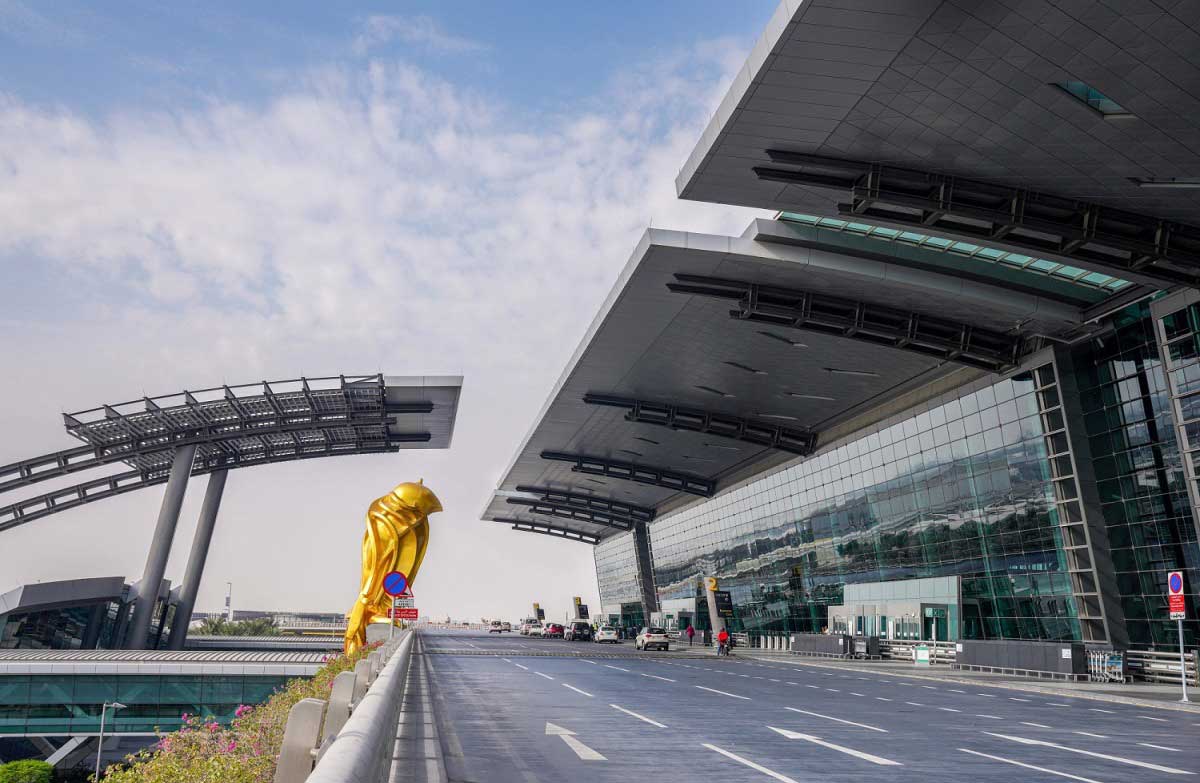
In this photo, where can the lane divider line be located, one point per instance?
(1035, 725)
(840, 748)
(656, 677)
(837, 720)
(526, 668)
(1158, 747)
(618, 668)
(724, 693)
(750, 764)
(639, 717)
(572, 687)
(547, 676)
(1089, 734)
(1148, 717)
(993, 717)
(1029, 766)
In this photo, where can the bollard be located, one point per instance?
(340, 698)
(362, 680)
(300, 736)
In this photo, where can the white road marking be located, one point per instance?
(948, 709)
(506, 660)
(793, 683)
(572, 687)
(526, 668)
(915, 703)
(1035, 725)
(882, 698)
(639, 717)
(1029, 766)
(833, 690)
(1147, 717)
(1089, 734)
(568, 736)
(1119, 759)
(723, 693)
(656, 677)
(852, 693)
(1097, 709)
(618, 668)
(993, 717)
(1056, 704)
(930, 687)
(585, 660)
(838, 720)
(989, 695)
(750, 764)
(547, 676)
(840, 748)
(1014, 698)
(773, 679)
(1158, 747)
(814, 687)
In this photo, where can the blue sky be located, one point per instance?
(539, 55)
(198, 194)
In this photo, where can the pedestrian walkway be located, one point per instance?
(1144, 694)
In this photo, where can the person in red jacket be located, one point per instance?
(723, 642)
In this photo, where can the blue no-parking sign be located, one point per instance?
(395, 583)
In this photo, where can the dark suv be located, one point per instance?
(578, 631)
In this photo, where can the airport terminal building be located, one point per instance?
(952, 389)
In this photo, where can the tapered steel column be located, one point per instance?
(160, 548)
(197, 558)
(714, 617)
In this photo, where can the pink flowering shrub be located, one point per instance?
(203, 751)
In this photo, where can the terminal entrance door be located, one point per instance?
(934, 625)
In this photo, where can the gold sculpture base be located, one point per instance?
(396, 538)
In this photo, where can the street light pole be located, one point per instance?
(116, 705)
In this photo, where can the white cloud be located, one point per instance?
(369, 217)
(416, 31)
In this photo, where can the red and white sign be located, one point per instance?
(407, 614)
(1175, 600)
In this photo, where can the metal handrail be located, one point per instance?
(1161, 666)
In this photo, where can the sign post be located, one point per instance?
(394, 584)
(1175, 604)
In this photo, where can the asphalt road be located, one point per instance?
(508, 712)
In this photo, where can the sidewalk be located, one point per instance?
(1142, 694)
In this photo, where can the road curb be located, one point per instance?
(1011, 686)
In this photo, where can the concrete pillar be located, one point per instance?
(160, 548)
(715, 619)
(197, 558)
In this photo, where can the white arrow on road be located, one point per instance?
(1081, 751)
(841, 748)
(568, 736)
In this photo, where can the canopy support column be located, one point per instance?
(197, 558)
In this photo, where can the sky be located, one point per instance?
(201, 193)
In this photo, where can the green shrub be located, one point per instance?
(245, 752)
(30, 771)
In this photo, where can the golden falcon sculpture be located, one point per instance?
(396, 538)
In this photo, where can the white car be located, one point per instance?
(495, 626)
(653, 637)
(535, 629)
(608, 634)
(506, 627)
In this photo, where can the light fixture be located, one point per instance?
(782, 416)
(861, 373)
(781, 339)
(711, 390)
(722, 447)
(1181, 183)
(801, 396)
(747, 368)
(698, 459)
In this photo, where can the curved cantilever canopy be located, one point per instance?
(716, 359)
(235, 427)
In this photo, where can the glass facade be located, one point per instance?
(616, 572)
(1140, 473)
(966, 487)
(66, 704)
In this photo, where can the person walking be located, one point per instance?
(691, 632)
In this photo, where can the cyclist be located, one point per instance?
(723, 642)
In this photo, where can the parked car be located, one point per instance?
(495, 626)
(651, 638)
(506, 627)
(578, 631)
(534, 629)
(607, 634)
(553, 631)
(525, 625)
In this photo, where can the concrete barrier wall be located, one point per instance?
(1062, 658)
(822, 644)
